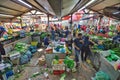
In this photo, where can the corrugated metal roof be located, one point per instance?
(59, 8)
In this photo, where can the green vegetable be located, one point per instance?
(56, 57)
(69, 63)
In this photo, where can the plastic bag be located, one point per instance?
(102, 76)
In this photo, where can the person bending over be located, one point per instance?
(47, 41)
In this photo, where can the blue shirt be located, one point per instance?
(79, 26)
(78, 43)
(53, 33)
(116, 37)
(46, 41)
(66, 33)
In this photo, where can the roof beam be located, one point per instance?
(6, 14)
(109, 6)
(95, 11)
(10, 8)
(22, 13)
(41, 6)
(34, 6)
(96, 3)
(76, 5)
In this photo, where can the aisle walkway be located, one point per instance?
(84, 72)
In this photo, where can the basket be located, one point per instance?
(49, 51)
(58, 68)
(34, 43)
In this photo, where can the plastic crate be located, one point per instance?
(58, 68)
(58, 72)
(49, 51)
(34, 43)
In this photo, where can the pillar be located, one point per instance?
(21, 21)
(71, 21)
(48, 20)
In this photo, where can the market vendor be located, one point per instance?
(47, 41)
(116, 39)
(22, 32)
(2, 51)
(53, 34)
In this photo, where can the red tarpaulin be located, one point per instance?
(66, 18)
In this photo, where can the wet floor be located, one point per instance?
(84, 72)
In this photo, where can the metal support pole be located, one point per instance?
(71, 21)
(21, 21)
(48, 19)
(71, 27)
(48, 27)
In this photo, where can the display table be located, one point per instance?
(10, 46)
(4, 69)
(108, 67)
(50, 57)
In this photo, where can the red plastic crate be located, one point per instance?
(58, 72)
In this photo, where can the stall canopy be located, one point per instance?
(10, 9)
(59, 8)
(110, 8)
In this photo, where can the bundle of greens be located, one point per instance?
(21, 47)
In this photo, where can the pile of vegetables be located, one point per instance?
(109, 45)
(21, 47)
(33, 49)
(56, 60)
(69, 63)
(60, 48)
(29, 33)
(117, 51)
(43, 34)
(112, 56)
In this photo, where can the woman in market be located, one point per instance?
(2, 51)
(86, 51)
(66, 32)
(69, 41)
(53, 34)
(78, 43)
(47, 41)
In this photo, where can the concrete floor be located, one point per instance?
(84, 72)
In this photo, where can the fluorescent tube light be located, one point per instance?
(87, 4)
(25, 3)
(4, 15)
(116, 12)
